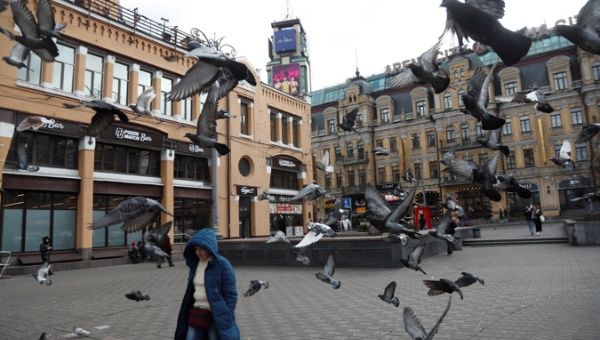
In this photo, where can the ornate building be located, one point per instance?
(418, 127)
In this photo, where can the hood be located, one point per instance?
(205, 238)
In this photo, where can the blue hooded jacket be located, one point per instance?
(221, 290)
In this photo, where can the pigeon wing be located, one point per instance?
(160, 233)
(128, 209)
(19, 52)
(565, 150)
(375, 203)
(415, 256)
(207, 122)
(493, 137)
(428, 58)
(403, 208)
(23, 18)
(462, 281)
(145, 99)
(390, 290)
(589, 15)
(45, 15)
(461, 168)
(443, 223)
(310, 238)
(435, 328)
(484, 98)
(329, 269)
(350, 117)
(194, 81)
(412, 325)
(404, 78)
(435, 287)
(494, 8)
(492, 164)
(325, 159)
(476, 83)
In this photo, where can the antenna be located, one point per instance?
(356, 58)
(288, 9)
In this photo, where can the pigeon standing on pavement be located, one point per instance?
(315, 233)
(143, 102)
(388, 294)
(468, 279)
(564, 159)
(81, 332)
(135, 213)
(137, 296)
(348, 121)
(414, 258)
(438, 287)
(478, 20)
(327, 274)
(588, 132)
(43, 273)
(530, 96)
(415, 329)
(424, 71)
(104, 116)
(492, 142)
(477, 98)
(278, 236)
(255, 286)
(586, 32)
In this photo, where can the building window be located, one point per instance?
(507, 128)
(511, 162)
(62, 69)
(189, 214)
(431, 139)
(528, 158)
(284, 180)
(362, 178)
(284, 130)
(525, 124)
(273, 127)
(461, 93)
(596, 71)
(187, 108)
(418, 171)
(483, 157)
(447, 101)
(581, 152)
(510, 88)
(379, 143)
(47, 150)
(94, 67)
(557, 150)
(144, 81)
(166, 85)
(128, 160)
(244, 118)
(331, 126)
(33, 72)
(555, 120)
(120, 83)
(416, 141)
(349, 152)
(465, 134)
(112, 235)
(395, 174)
(576, 116)
(381, 175)
(360, 150)
(560, 80)
(479, 130)
(351, 178)
(338, 154)
(393, 145)
(450, 135)
(434, 171)
(296, 132)
(385, 115)
(194, 168)
(338, 180)
(420, 104)
(327, 181)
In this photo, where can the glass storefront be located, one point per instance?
(113, 235)
(190, 215)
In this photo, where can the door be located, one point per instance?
(245, 215)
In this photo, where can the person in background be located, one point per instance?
(207, 311)
(451, 230)
(422, 221)
(142, 251)
(133, 252)
(529, 218)
(45, 248)
(538, 219)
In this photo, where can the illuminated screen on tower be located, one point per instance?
(286, 78)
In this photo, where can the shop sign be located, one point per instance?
(285, 208)
(347, 203)
(285, 163)
(573, 183)
(133, 135)
(245, 190)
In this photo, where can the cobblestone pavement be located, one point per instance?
(547, 291)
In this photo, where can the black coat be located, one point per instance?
(45, 252)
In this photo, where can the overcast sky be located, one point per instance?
(387, 31)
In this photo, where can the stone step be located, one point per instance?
(499, 242)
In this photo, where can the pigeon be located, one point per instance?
(442, 227)
(303, 259)
(510, 184)
(476, 100)
(315, 233)
(348, 121)
(437, 287)
(414, 258)
(32, 123)
(468, 279)
(492, 142)
(220, 114)
(530, 96)
(409, 177)
(425, 71)
(413, 326)
(324, 164)
(158, 235)
(388, 294)
(154, 251)
(22, 157)
(484, 175)
(451, 204)
(43, 273)
(334, 217)
(255, 286)
(310, 192)
(43, 336)
(478, 20)
(81, 332)
(264, 196)
(206, 134)
(589, 195)
(104, 117)
(45, 16)
(33, 34)
(327, 274)
(381, 151)
(564, 157)
(383, 218)
(18, 55)
(588, 132)
(278, 236)
(142, 104)
(212, 66)
(585, 33)
(137, 296)
(135, 213)
(397, 238)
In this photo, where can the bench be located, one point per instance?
(108, 253)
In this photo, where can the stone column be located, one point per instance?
(47, 74)
(156, 80)
(278, 127)
(134, 76)
(107, 83)
(7, 132)
(167, 163)
(79, 72)
(85, 199)
(196, 107)
(177, 105)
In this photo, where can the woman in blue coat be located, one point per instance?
(208, 306)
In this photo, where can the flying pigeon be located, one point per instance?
(588, 132)
(154, 251)
(381, 151)
(142, 104)
(437, 287)
(492, 142)
(334, 217)
(104, 117)
(278, 236)
(46, 23)
(32, 122)
(315, 233)
(530, 96)
(310, 192)
(220, 114)
(442, 228)
(327, 274)
(212, 66)
(324, 163)
(564, 157)
(585, 33)
(388, 294)
(467, 279)
(510, 184)
(484, 175)
(22, 157)
(303, 259)
(397, 238)
(42, 274)
(137, 296)
(589, 195)
(135, 213)
(81, 332)
(478, 20)
(383, 218)
(425, 71)
(255, 286)
(414, 259)
(413, 326)
(476, 100)
(18, 55)
(206, 134)
(264, 196)
(43, 336)
(348, 121)
(451, 204)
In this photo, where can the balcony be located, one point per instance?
(460, 144)
(352, 160)
(446, 181)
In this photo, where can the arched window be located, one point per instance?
(596, 70)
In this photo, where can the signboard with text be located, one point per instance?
(285, 40)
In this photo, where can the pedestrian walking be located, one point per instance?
(422, 221)
(207, 311)
(529, 218)
(450, 231)
(45, 248)
(538, 219)
(347, 224)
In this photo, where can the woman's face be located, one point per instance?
(202, 254)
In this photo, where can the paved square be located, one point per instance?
(546, 291)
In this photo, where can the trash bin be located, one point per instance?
(457, 243)
(476, 233)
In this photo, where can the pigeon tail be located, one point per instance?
(396, 302)
(544, 107)
(493, 194)
(492, 123)
(222, 149)
(504, 149)
(440, 84)
(510, 46)
(421, 270)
